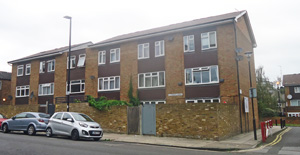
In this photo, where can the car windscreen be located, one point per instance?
(2, 116)
(44, 115)
(82, 117)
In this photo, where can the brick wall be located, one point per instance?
(5, 92)
(91, 69)
(34, 81)
(60, 75)
(12, 110)
(13, 83)
(288, 120)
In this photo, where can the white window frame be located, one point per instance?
(28, 66)
(161, 48)
(108, 79)
(101, 57)
(296, 89)
(208, 37)
(189, 38)
(81, 60)
(41, 86)
(52, 64)
(201, 69)
(20, 88)
(143, 48)
(42, 66)
(203, 100)
(79, 83)
(73, 59)
(298, 104)
(20, 67)
(116, 51)
(151, 77)
(153, 102)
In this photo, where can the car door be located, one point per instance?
(24, 123)
(15, 124)
(56, 123)
(67, 126)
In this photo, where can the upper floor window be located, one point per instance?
(72, 62)
(0, 85)
(159, 48)
(46, 89)
(143, 51)
(22, 91)
(189, 43)
(42, 67)
(20, 70)
(76, 86)
(81, 60)
(101, 57)
(150, 80)
(115, 55)
(295, 102)
(51, 65)
(202, 75)
(297, 89)
(109, 83)
(28, 69)
(208, 40)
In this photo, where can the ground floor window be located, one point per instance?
(203, 100)
(294, 114)
(46, 89)
(22, 91)
(153, 102)
(76, 86)
(109, 83)
(295, 102)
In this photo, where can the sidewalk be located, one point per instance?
(239, 142)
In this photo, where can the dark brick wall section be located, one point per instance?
(11, 110)
(22, 100)
(152, 94)
(112, 95)
(198, 91)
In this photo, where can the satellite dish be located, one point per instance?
(289, 96)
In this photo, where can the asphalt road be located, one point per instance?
(18, 143)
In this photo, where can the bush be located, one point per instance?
(103, 104)
(268, 112)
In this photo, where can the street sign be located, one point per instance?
(254, 93)
(246, 103)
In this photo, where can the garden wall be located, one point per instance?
(12, 110)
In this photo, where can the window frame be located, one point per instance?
(161, 47)
(208, 37)
(201, 69)
(81, 57)
(28, 66)
(20, 67)
(188, 43)
(295, 101)
(151, 77)
(296, 89)
(52, 68)
(203, 100)
(143, 50)
(20, 88)
(108, 80)
(0, 85)
(42, 67)
(151, 102)
(80, 83)
(44, 85)
(102, 60)
(73, 58)
(115, 50)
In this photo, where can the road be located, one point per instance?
(18, 143)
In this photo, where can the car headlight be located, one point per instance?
(83, 125)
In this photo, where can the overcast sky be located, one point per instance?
(32, 26)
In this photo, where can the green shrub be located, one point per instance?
(103, 104)
(268, 112)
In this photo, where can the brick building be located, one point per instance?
(193, 61)
(291, 84)
(5, 97)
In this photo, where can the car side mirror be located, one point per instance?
(13, 118)
(70, 120)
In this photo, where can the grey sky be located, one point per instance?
(31, 26)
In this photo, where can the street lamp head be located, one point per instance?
(248, 54)
(68, 17)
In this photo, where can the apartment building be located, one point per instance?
(5, 95)
(291, 85)
(189, 62)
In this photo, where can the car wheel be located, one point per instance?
(31, 130)
(74, 135)
(5, 128)
(48, 132)
(96, 139)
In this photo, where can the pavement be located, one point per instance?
(239, 142)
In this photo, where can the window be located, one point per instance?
(150, 80)
(46, 89)
(81, 60)
(42, 67)
(115, 55)
(51, 65)
(58, 116)
(201, 75)
(73, 62)
(159, 48)
(208, 40)
(295, 102)
(207, 100)
(0, 85)
(109, 83)
(20, 70)
(28, 69)
(297, 89)
(101, 57)
(76, 86)
(188, 43)
(143, 51)
(30, 116)
(153, 102)
(66, 116)
(22, 115)
(22, 91)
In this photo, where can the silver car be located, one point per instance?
(75, 125)
(29, 122)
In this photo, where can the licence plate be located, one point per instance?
(96, 132)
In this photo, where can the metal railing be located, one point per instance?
(73, 99)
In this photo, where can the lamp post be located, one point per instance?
(69, 63)
(248, 54)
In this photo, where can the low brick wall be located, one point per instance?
(288, 120)
(12, 110)
(209, 121)
(113, 120)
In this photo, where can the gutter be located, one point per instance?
(32, 58)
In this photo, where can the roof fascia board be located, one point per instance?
(38, 57)
(162, 33)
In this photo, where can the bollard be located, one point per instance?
(276, 122)
(281, 123)
(263, 131)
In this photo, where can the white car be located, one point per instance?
(75, 125)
